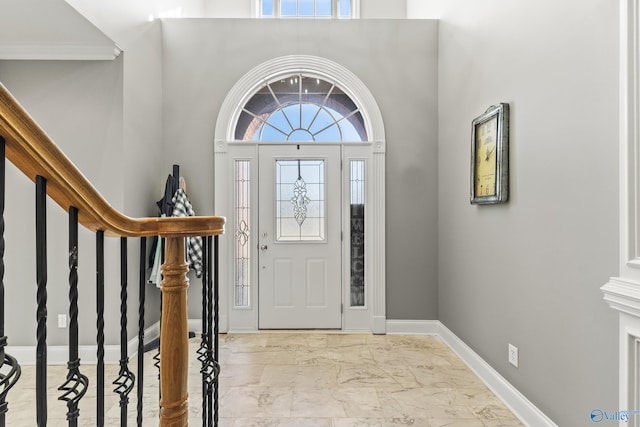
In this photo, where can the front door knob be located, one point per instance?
(263, 247)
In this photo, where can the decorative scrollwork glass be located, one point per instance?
(300, 198)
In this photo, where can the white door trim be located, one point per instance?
(227, 151)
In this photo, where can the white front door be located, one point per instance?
(299, 237)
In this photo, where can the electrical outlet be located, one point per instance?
(513, 355)
(62, 321)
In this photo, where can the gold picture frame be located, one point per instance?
(490, 156)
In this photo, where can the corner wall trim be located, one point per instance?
(521, 407)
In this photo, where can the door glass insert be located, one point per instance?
(300, 200)
(242, 242)
(357, 205)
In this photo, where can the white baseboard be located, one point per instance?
(59, 354)
(413, 327)
(522, 408)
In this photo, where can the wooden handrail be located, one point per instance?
(30, 149)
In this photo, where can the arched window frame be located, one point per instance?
(284, 66)
(332, 110)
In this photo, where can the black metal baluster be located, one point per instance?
(76, 384)
(210, 320)
(142, 298)
(212, 332)
(8, 379)
(202, 350)
(211, 369)
(216, 328)
(210, 359)
(100, 326)
(156, 359)
(41, 296)
(125, 381)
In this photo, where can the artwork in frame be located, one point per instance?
(490, 156)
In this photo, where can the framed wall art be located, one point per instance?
(490, 156)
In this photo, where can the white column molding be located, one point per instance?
(623, 293)
(629, 136)
(624, 296)
(379, 325)
(222, 207)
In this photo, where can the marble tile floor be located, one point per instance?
(302, 379)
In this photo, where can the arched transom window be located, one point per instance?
(300, 108)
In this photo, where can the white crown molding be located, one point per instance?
(58, 51)
(521, 407)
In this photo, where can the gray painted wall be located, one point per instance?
(383, 9)
(203, 59)
(79, 105)
(529, 272)
(32, 22)
(127, 24)
(106, 116)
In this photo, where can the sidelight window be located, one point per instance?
(242, 276)
(357, 234)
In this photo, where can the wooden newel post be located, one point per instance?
(174, 336)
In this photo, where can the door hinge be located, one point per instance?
(341, 308)
(342, 236)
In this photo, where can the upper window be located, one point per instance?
(307, 8)
(300, 108)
